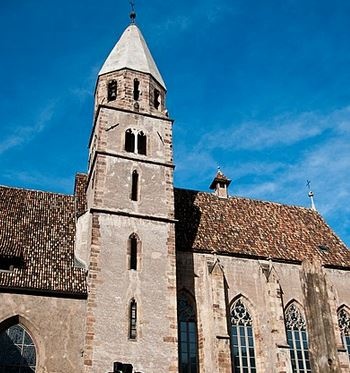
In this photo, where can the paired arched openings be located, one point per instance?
(135, 142)
(18, 352)
(297, 338)
(242, 337)
(188, 342)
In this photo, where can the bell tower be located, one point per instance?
(131, 309)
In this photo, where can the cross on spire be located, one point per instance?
(132, 13)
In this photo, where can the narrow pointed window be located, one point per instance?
(129, 141)
(188, 346)
(136, 89)
(141, 143)
(344, 326)
(134, 186)
(112, 90)
(156, 99)
(242, 339)
(133, 320)
(133, 245)
(17, 350)
(297, 340)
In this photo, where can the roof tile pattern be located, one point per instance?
(254, 228)
(40, 227)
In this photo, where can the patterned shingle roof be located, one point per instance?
(242, 226)
(39, 227)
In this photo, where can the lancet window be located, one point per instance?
(242, 339)
(134, 185)
(133, 320)
(297, 339)
(344, 326)
(133, 251)
(156, 99)
(17, 350)
(188, 347)
(136, 89)
(112, 90)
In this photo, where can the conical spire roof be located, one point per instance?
(131, 51)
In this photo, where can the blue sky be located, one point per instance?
(261, 88)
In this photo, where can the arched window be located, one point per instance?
(242, 339)
(129, 141)
(133, 319)
(188, 350)
(133, 246)
(112, 90)
(297, 339)
(136, 89)
(17, 350)
(134, 185)
(156, 98)
(141, 143)
(344, 326)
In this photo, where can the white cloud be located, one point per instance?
(24, 134)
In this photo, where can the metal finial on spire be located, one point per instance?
(311, 195)
(132, 13)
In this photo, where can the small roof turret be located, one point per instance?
(131, 51)
(220, 184)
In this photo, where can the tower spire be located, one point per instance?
(311, 195)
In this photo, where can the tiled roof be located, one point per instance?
(247, 227)
(40, 228)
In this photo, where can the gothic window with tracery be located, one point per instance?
(17, 351)
(188, 350)
(297, 339)
(344, 326)
(242, 339)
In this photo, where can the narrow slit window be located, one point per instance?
(156, 99)
(129, 141)
(133, 320)
(136, 89)
(134, 186)
(141, 143)
(112, 90)
(133, 251)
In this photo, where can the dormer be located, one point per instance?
(129, 79)
(220, 185)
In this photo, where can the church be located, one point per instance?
(131, 274)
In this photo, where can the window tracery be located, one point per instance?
(188, 350)
(344, 326)
(17, 350)
(242, 339)
(297, 339)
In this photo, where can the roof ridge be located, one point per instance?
(251, 200)
(36, 191)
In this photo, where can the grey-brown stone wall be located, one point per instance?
(113, 285)
(267, 288)
(56, 326)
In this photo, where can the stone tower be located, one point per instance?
(131, 309)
